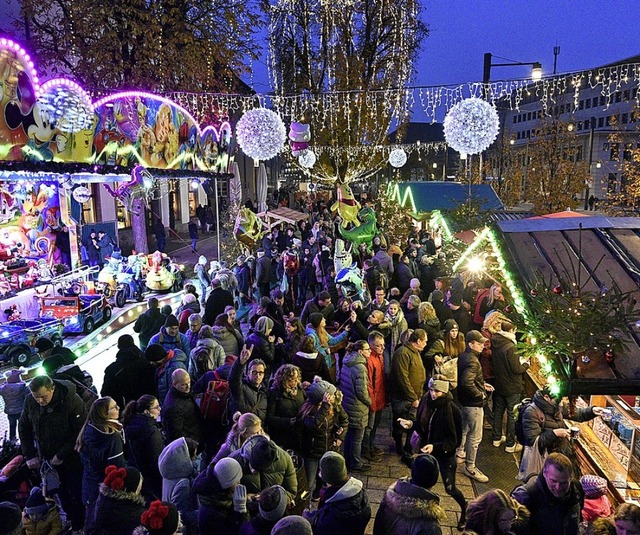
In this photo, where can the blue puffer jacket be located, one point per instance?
(14, 395)
(163, 373)
(355, 388)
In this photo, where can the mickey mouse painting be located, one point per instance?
(37, 124)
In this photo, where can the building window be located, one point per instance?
(614, 152)
(515, 119)
(618, 96)
(634, 92)
(600, 122)
(626, 95)
(612, 183)
(602, 100)
(595, 102)
(581, 105)
(627, 155)
(529, 116)
(609, 118)
(587, 103)
(122, 216)
(624, 118)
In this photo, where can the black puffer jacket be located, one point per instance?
(262, 348)
(407, 509)
(129, 377)
(322, 428)
(439, 422)
(507, 370)
(114, 513)
(181, 416)
(342, 510)
(55, 427)
(244, 396)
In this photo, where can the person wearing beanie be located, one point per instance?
(149, 322)
(272, 506)
(165, 363)
(170, 336)
(409, 506)
(162, 518)
(119, 505)
(222, 499)
(596, 502)
(264, 464)
(264, 343)
(41, 515)
(14, 392)
(10, 519)
(344, 507)
(130, 376)
(249, 393)
(325, 426)
(292, 525)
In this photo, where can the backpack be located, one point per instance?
(214, 406)
(518, 412)
(201, 357)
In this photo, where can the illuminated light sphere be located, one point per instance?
(82, 194)
(307, 159)
(471, 126)
(67, 105)
(261, 134)
(397, 157)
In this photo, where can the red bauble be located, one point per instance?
(609, 356)
(534, 293)
(557, 290)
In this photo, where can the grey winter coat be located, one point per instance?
(214, 359)
(407, 509)
(231, 343)
(355, 389)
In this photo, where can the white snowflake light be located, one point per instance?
(261, 134)
(307, 159)
(397, 157)
(471, 126)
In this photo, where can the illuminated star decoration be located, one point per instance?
(397, 157)
(261, 134)
(471, 126)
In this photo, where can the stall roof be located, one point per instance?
(429, 196)
(282, 215)
(546, 245)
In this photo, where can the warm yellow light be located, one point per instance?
(536, 72)
(475, 264)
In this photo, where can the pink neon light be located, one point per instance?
(8, 43)
(128, 94)
(44, 88)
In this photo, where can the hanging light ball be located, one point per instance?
(558, 290)
(81, 194)
(261, 134)
(471, 126)
(307, 159)
(534, 292)
(397, 157)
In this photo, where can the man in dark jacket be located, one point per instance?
(49, 425)
(149, 323)
(130, 376)
(216, 302)
(344, 506)
(472, 391)
(403, 274)
(180, 413)
(243, 274)
(263, 273)
(442, 311)
(371, 275)
(507, 381)
(248, 394)
(554, 498)
(320, 303)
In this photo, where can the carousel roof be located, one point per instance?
(604, 249)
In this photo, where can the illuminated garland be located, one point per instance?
(261, 134)
(471, 126)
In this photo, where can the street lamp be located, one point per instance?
(536, 70)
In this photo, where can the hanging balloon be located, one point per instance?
(82, 194)
(397, 157)
(307, 159)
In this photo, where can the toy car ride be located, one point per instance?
(18, 338)
(78, 314)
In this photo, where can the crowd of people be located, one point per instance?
(207, 425)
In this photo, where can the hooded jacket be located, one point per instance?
(322, 428)
(342, 510)
(231, 343)
(311, 364)
(99, 450)
(354, 385)
(164, 371)
(507, 370)
(178, 474)
(14, 395)
(215, 506)
(48, 524)
(407, 509)
(129, 377)
(115, 512)
(55, 427)
(262, 348)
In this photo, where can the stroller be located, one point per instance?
(16, 479)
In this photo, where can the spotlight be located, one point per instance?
(475, 264)
(195, 184)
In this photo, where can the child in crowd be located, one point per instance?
(40, 515)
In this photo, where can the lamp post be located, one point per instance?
(536, 70)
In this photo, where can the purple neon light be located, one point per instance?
(223, 127)
(143, 94)
(9, 44)
(49, 84)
